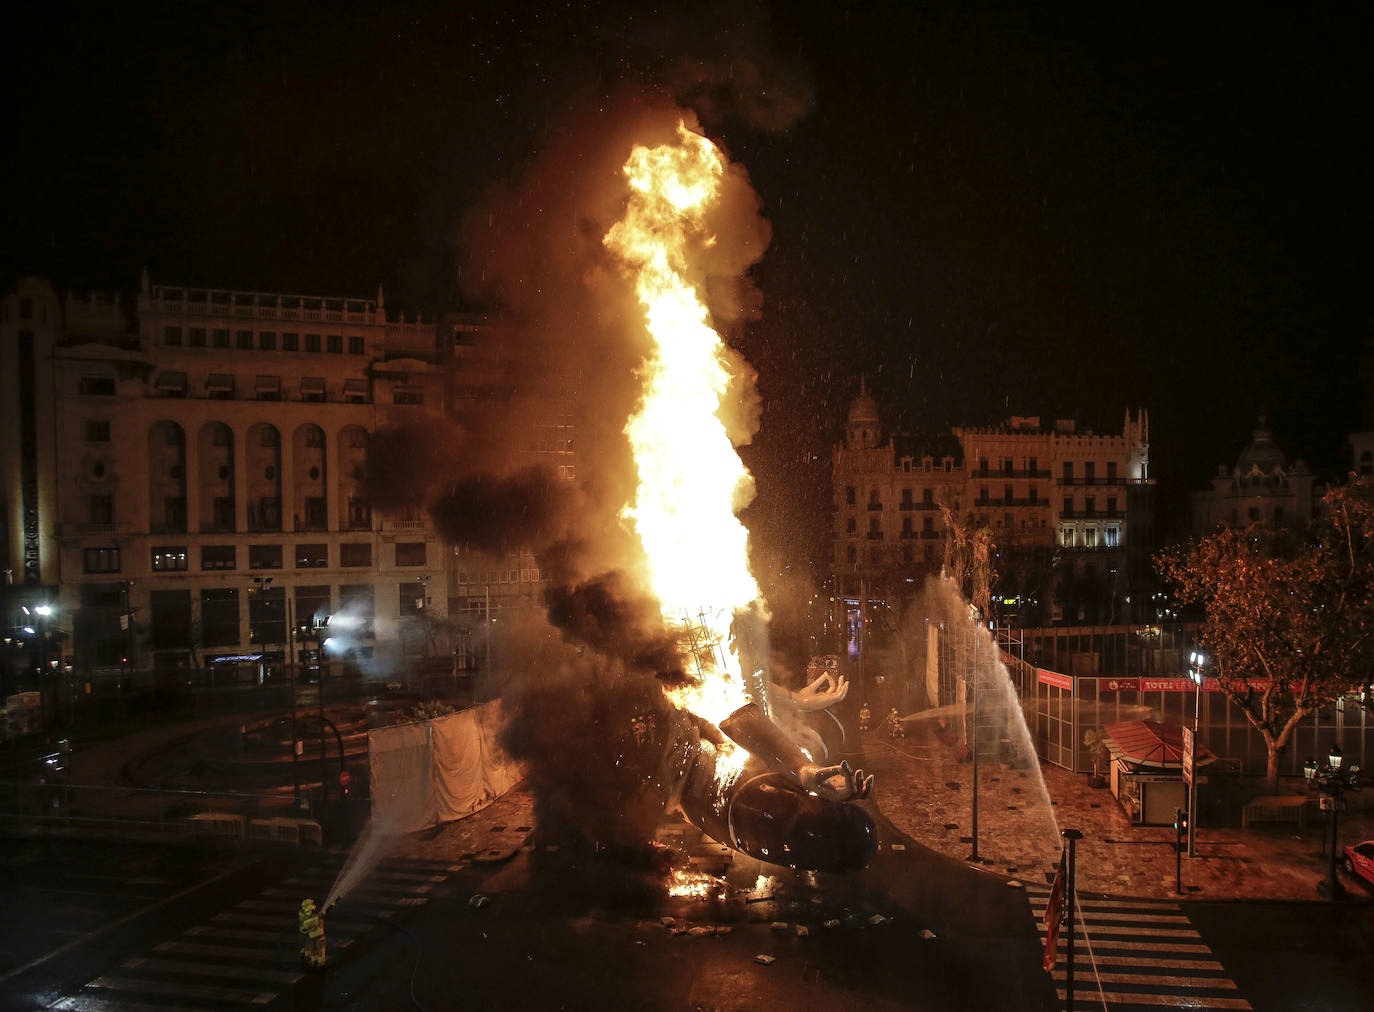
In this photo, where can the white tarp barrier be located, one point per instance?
(439, 770)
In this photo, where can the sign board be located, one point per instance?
(1189, 757)
(1119, 684)
(1053, 678)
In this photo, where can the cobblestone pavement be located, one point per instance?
(927, 795)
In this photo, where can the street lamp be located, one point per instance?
(1331, 780)
(1196, 662)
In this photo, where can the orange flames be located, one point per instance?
(690, 477)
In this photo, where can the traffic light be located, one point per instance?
(1181, 829)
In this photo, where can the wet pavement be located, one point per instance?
(927, 795)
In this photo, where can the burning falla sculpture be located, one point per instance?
(750, 786)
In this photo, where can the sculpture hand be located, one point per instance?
(821, 693)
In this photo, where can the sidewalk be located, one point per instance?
(927, 795)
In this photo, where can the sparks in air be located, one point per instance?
(690, 479)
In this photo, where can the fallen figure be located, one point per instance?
(778, 805)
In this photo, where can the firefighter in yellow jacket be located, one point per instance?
(312, 927)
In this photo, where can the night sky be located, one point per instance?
(1029, 212)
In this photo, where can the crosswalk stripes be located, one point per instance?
(1136, 954)
(246, 955)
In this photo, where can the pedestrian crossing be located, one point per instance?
(1136, 954)
(247, 956)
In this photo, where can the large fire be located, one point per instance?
(690, 477)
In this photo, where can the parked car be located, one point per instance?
(1359, 860)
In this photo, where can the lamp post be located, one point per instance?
(1331, 780)
(1196, 662)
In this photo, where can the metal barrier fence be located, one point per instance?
(121, 810)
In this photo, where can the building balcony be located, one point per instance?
(405, 525)
(874, 507)
(1104, 481)
(929, 535)
(875, 535)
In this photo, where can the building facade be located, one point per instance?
(189, 490)
(1065, 503)
(1261, 487)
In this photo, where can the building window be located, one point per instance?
(400, 396)
(264, 556)
(174, 513)
(97, 386)
(97, 430)
(219, 338)
(849, 495)
(851, 525)
(356, 554)
(312, 606)
(312, 389)
(359, 513)
(1112, 537)
(1090, 506)
(243, 340)
(312, 342)
(219, 617)
(1089, 471)
(1111, 505)
(355, 345)
(101, 509)
(927, 526)
(1068, 506)
(927, 497)
(101, 560)
(291, 342)
(267, 340)
(267, 615)
(334, 342)
(410, 553)
(169, 614)
(171, 336)
(852, 554)
(169, 560)
(1032, 465)
(410, 598)
(1090, 537)
(222, 513)
(218, 557)
(312, 556)
(1111, 470)
(195, 337)
(1007, 494)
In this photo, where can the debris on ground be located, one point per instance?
(878, 919)
(801, 930)
(765, 959)
(927, 934)
(834, 922)
(479, 901)
(780, 925)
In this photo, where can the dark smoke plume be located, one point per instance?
(618, 622)
(408, 464)
(526, 510)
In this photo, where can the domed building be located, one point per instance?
(1262, 487)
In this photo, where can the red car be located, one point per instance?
(1359, 860)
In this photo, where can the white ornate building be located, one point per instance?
(1262, 487)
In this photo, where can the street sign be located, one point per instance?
(1188, 756)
